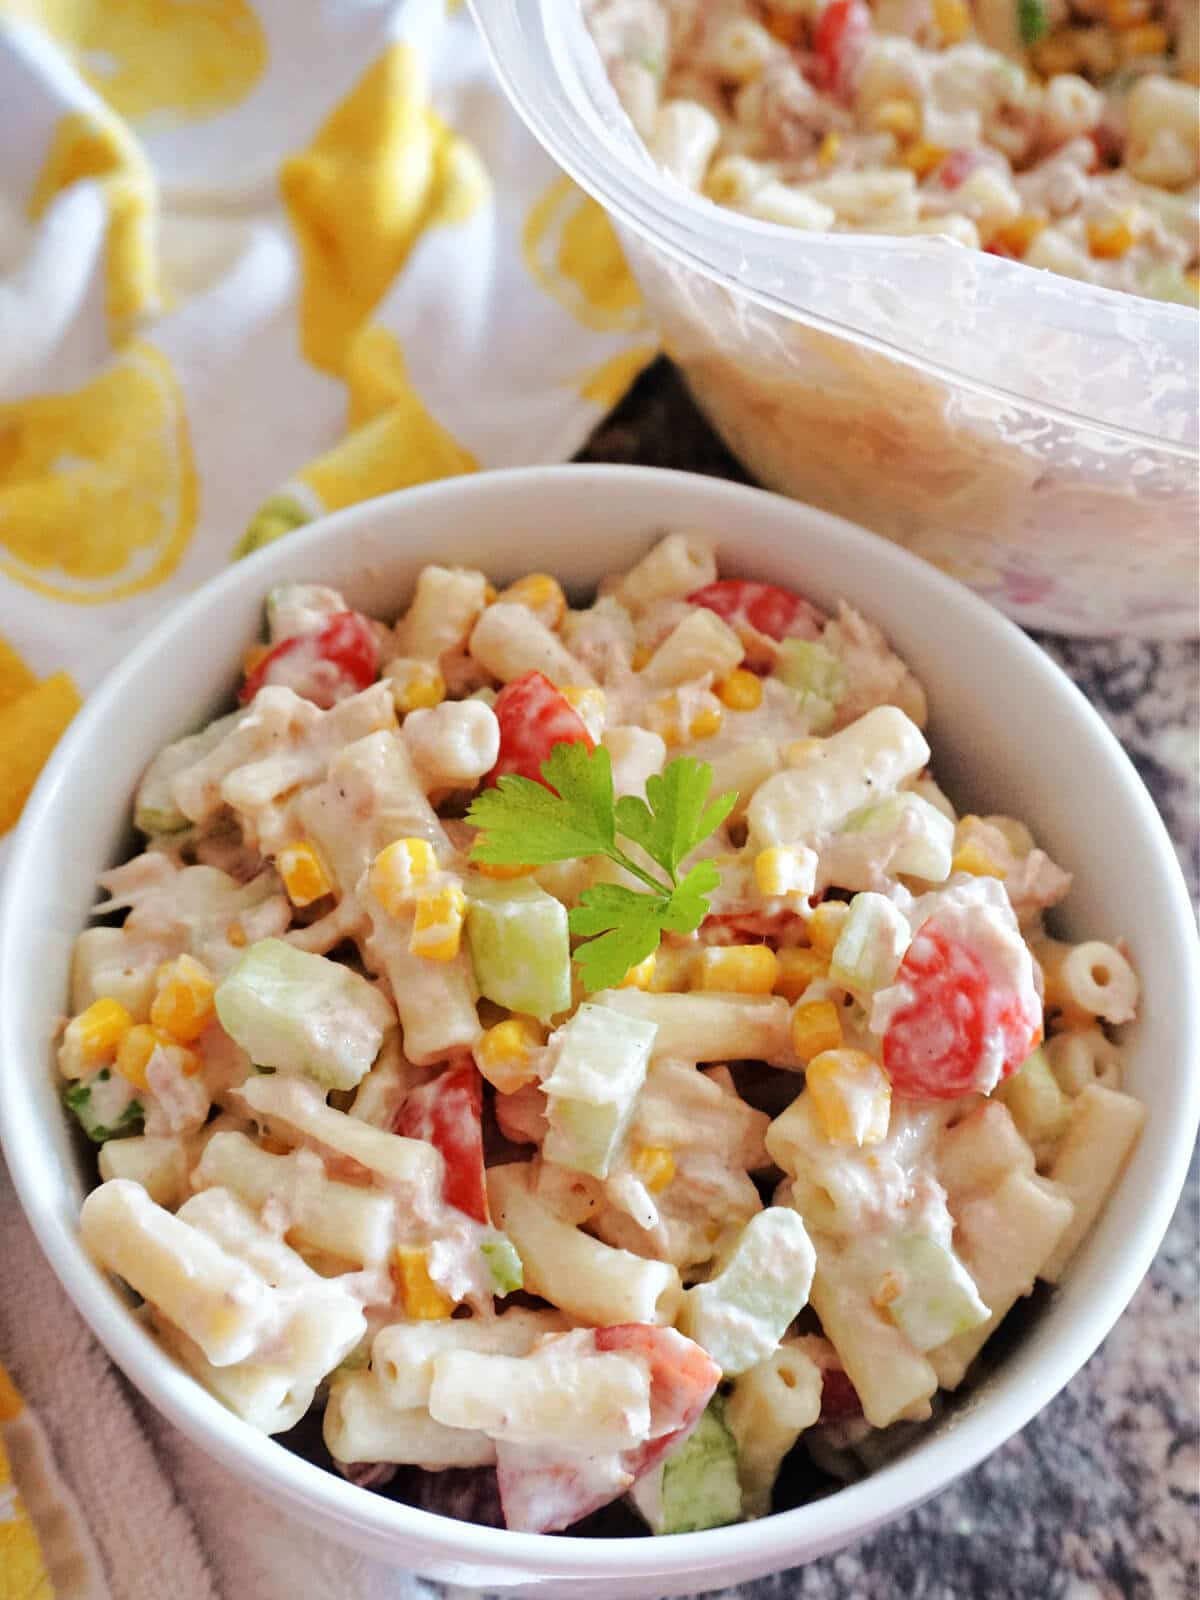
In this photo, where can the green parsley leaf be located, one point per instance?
(525, 823)
(572, 814)
(1033, 23)
(676, 820)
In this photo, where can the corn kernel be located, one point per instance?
(1127, 13)
(504, 874)
(236, 935)
(828, 149)
(655, 1166)
(780, 870)
(641, 655)
(640, 976)
(490, 594)
(786, 26)
(740, 691)
(438, 924)
(1060, 53)
(1108, 241)
(953, 20)
(825, 925)
(674, 968)
(973, 858)
(540, 593)
(851, 1096)
(1146, 39)
(797, 969)
(254, 658)
(93, 1038)
(922, 157)
(183, 1006)
(398, 871)
(504, 1054)
(422, 1298)
(1016, 236)
(899, 117)
(739, 969)
(140, 1043)
(666, 718)
(416, 685)
(705, 724)
(303, 873)
(816, 1027)
(589, 704)
(798, 751)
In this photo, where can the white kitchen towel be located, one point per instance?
(258, 259)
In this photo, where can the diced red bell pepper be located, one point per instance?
(533, 718)
(934, 1045)
(839, 45)
(755, 609)
(839, 1397)
(448, 1112)
(338, 660)
(958, 165)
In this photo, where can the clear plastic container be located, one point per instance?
(1036, 437)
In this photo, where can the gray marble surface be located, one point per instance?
(1100, 1495)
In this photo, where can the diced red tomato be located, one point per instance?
(839, 1397)
(533, 718)
(448, 1111)
(756, 609)
(338, 660)
(958, 165)
(543, 1491)
(933, 1047)
(839, 45)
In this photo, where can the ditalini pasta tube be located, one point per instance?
(588, 1280)
(711, 1027)
(700, 643)
(510, 641)
(1104, 1128)
(444, 609)
(863, 762)
(341, 1219)
(435, 1000)
(403, 1353)
(360, 1426)
(769, 1409)
(216, 1299)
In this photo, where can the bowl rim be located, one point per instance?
(813, 1528)
(677, 222)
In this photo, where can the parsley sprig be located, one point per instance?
(523, 823)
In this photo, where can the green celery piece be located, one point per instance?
(740, 1316)
(505, 1265)
(303, 1013)
(929, 850)
(938, 1298)
(1169, 284)
(870, 946)
(1039, 1108)
(154, 810)
(697, 1485)
(1033, 22)
(519, 945)
(600, 1061)
(816, 675)
(79, 1098)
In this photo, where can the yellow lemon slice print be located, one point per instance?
(189, 58)
(23, 1573)
(97, 485)
(571, 251)
(382, 169)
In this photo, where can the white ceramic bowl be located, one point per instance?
(1009, 733)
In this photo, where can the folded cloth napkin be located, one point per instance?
(258, 260)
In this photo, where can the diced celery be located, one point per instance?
(505, 1265)
(600, 1058)
(98, 1120)
(303, 1013)
(1039, 1107)
(697, 1486)
(938, 1298)
(154, 809)
(740, 1316)
(926, 836)
(871, 945)
(519, 947)
(1167, 283)
(817, 677)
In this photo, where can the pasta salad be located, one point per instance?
(1062, 133)
(580, 1053)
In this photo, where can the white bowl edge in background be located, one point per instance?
(1008, 731)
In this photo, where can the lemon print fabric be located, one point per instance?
(97, 484)
(182, 58)
(573, 253)
(382, 169)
